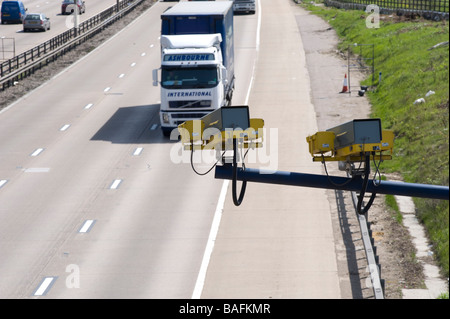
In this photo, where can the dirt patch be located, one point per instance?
(399, 266)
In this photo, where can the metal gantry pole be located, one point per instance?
(355, 184)
(333, 182)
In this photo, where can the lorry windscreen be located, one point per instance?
(189, 78)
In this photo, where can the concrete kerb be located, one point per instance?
(435, 285)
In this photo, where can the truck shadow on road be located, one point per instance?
(133, 125)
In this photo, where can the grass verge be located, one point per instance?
(411, 64)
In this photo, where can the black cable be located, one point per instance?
(364, 188)
(328, 176)
(237, 201)
(369, 203)
(377, 171)
(372, 197)
(192, 164)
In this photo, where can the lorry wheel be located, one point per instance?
(166, 133)
(230, 98)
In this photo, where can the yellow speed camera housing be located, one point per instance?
(348, 141)
(218, 129)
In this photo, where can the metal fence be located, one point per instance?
(25, 63)
(419, 5)
(429, 9)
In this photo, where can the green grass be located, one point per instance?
(443, 296)
(410, 69)
(392, 203)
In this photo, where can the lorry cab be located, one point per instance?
(193, 78)
(13, 12)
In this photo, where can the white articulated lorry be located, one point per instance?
(197, 61)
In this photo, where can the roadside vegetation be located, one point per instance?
(414, 60)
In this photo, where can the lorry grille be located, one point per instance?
(188, 115)
(189, 104)
(180, 118)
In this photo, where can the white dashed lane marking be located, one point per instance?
(87, 225)
(65, 127)
(138, 151)
(37, 152)
(44, 286)
(115, 184)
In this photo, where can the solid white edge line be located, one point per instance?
(198, 289)
(44, 286)
(3, 182)
(258, 28)
(211, 239)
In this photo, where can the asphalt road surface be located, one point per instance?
(96, 203)
(16, 41)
